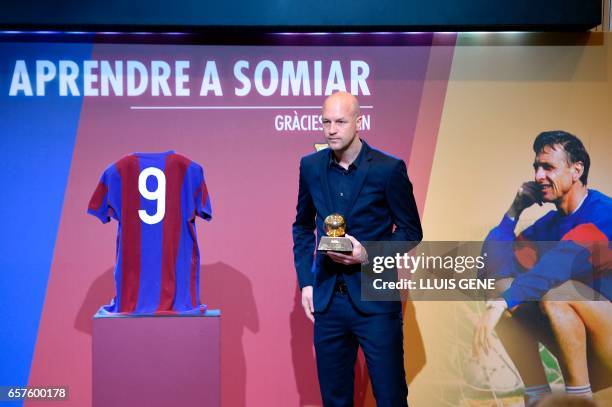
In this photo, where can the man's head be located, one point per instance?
(341, 120)
(561, 163)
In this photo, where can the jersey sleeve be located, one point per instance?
(99, 204)
(202, 197)
(509, 255)
(499, 249)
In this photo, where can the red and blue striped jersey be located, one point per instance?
(554, 250)
(155, 198)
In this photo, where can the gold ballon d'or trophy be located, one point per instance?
(335, 227)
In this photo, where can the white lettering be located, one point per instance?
(210, 81)
(295, 78)
(134, 67)
(89, 78)
(45, 72)
(246, 83)
(258, 79)
(181, 78)
(68, 74)
(335, 79)
(21, 80)
(160, 72)
(110, 79)
(360, 71)
(318, 86)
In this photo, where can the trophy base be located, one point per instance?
(335, 244)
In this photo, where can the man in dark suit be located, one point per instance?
(372, 192)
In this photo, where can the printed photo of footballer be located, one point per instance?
(555, 283)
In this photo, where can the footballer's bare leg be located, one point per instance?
(570, 335)
(574, 320)
(520, 340)
(522, 347)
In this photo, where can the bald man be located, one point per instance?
(371, 190)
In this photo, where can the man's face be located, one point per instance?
(340, 123)
(554, 173)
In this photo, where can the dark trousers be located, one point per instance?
(338, 332)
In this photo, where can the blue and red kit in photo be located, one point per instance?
(557, 248)
(155, 198)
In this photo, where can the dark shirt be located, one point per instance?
(342, 182)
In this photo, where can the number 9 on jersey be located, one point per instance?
(158, 194)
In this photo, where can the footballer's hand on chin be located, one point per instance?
(529, 193)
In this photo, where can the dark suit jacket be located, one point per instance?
(382, 198)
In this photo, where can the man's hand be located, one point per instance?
(481, 342)
(358, 256)
(528, 194)
(307, 302)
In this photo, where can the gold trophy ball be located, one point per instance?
(335, 225)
